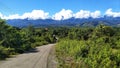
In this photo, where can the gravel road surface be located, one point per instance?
(33, 59)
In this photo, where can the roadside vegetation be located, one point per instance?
(15, 40)
(97, 47)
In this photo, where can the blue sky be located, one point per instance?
(8, 7)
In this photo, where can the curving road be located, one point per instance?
(34, 59)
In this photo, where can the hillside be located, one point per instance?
(111, 21)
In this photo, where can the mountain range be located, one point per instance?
(71, 22)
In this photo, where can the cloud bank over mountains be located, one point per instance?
(35, 14)
(61, 15)
(110, 13)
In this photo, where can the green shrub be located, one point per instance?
(89, 54)
(4, 52)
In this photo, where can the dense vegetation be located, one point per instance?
(90, 48)
(14, 40)
(95, 47)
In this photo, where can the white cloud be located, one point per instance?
(66, 14)
(87, 14)
(63, 14)
(1, 15)
(96, 14)
(15, 16)
(35, 14)
(82, 14)
(109, 12)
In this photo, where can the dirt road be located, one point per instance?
(33, 59)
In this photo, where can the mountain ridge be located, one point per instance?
(80, 22)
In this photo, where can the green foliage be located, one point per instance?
(14, 40)
(88, 54)
(95, 47)
(3, 52)
(90, 48)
